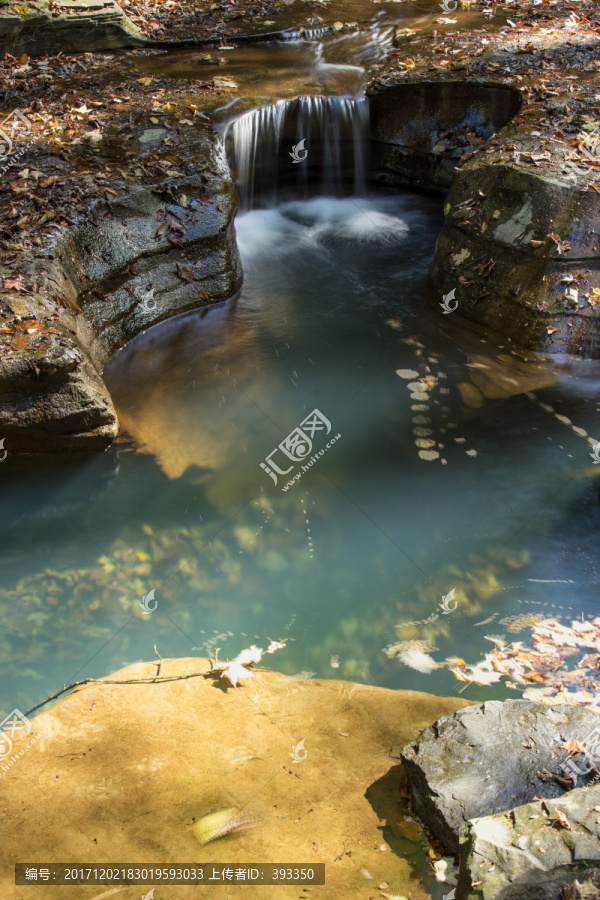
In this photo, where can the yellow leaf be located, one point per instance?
(409, 830)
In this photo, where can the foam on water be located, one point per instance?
(318, 224)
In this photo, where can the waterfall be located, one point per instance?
(331, 137)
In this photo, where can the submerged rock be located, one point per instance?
(484, 760)
(533, 852)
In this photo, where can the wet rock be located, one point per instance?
(51, 397)
(137, 255)
(525, 198)
(71, 26)
(534, 852)
(485, 759)
(149, 259)
(416, 128)
(526, 228)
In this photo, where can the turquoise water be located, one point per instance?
(335, 301)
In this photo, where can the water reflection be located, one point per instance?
(334, 315)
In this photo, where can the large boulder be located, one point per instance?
(69, 26)
(485, 759)
(136, 255)
(496, 252)
(534, 851)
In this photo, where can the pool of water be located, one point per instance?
(454, 468)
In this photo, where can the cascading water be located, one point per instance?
(331, 137)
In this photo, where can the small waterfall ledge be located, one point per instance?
(331, 137)
(424, 135)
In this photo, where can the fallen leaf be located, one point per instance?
(562, 820)
(185, 272)
(409, 830)
(573, 746)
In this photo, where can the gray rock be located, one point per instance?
(137, 256)
(405, 116)
(526, 854)
(79, 25)
(521, 294)
(501, 209)
(52, 399)
(484, 759)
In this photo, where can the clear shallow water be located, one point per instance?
(314, 58)
(334, 303)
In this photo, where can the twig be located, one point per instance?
(155, 680)
(160, 663)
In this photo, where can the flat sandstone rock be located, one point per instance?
(120, 773)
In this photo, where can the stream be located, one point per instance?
(318, 461)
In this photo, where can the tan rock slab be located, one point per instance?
(121, 772)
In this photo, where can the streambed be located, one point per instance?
(334, 305)
(461, 464)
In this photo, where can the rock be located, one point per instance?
(527, 854)
(404, 117)
(124, 257)
(152, 135)
(51, 398)
(137, 256)
(483, 760)
(522, 294)
(525, 198)
(122, 772)
(72, 26)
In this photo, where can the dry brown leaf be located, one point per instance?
(573, 746)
